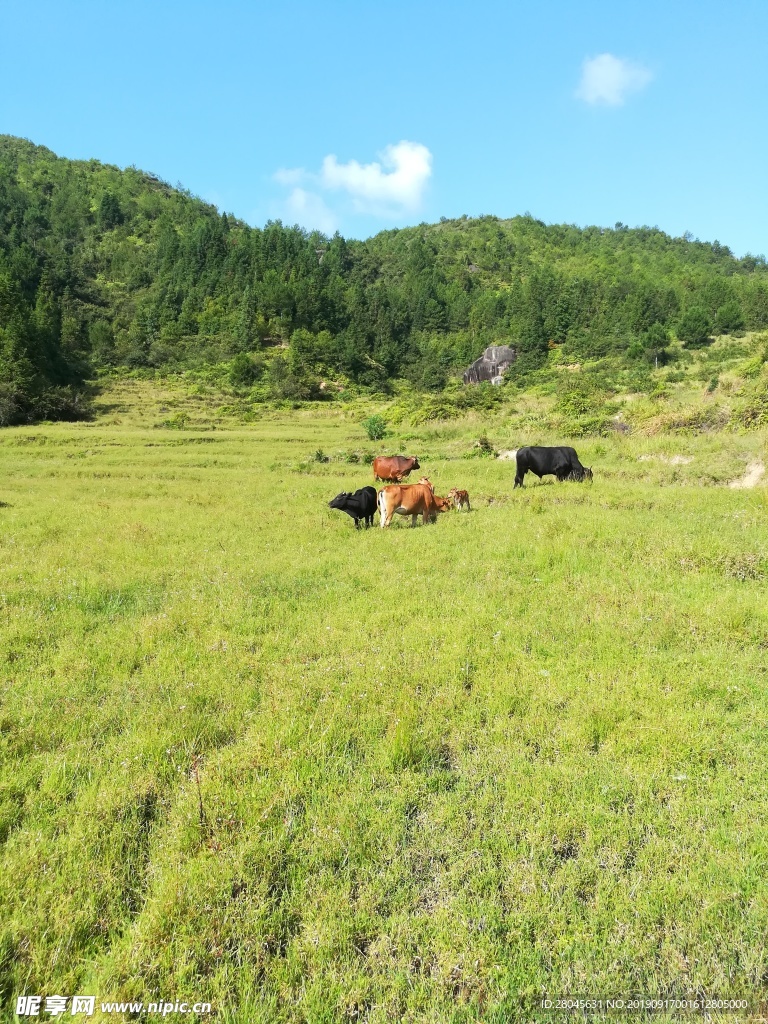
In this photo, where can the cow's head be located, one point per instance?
(588, 473)
(340, 500)
(427, 483)
(443, 504)
(415, 463)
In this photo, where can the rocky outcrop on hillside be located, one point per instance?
(491, 365)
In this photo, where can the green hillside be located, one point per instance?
(102, 267)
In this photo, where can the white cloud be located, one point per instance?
(290, 176)
(608, 79)
(392, 185)
(398, 181)
(311, 211)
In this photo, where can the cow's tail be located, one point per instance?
(381, 501)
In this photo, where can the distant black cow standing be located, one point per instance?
(360, 505)
(562, 462)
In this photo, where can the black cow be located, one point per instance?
(562, 462)
(360, 505)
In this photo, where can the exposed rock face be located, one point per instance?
(491, 365)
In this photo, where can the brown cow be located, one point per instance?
(393, 467)
(460, 498)
(410, 500)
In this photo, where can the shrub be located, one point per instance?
(485, 447)
(580, 397)
(655, 342)
(636, 350)
(729, 318)
(11, 405)
(638, 378)
(177, 422)
(244, 371)
(590, 426)
(694, 327)
(754, 410)
(656, 337)
(483, 396)
(375, 427)
(53, 403)
(527, 363)
(292, 382)
(62, 403)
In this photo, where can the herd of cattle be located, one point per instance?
(419, 499)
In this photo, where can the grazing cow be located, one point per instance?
(410, 500)
(460, 498)
(562, 462)
(393, 468)
(360, 505)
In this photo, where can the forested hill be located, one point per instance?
(101, 266)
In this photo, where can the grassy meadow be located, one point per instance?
(253, 757)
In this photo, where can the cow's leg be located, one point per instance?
(413, 519)
(469, 507)
(357, 524)
(519, 478)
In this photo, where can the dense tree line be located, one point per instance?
(101, 266)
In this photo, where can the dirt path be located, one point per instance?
(754, 474)
(671, 460)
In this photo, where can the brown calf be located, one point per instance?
(460, 498)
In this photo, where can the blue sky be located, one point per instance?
(363, 116)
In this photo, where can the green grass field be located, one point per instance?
(253, 757)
